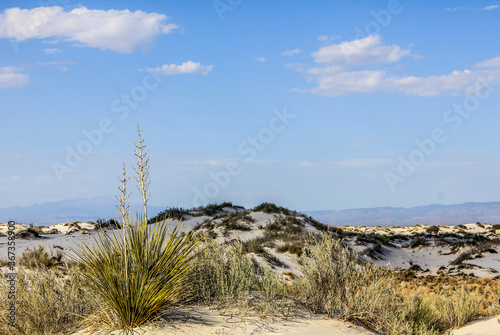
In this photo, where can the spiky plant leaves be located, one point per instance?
(138, 272)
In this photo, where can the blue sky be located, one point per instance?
(308, 104)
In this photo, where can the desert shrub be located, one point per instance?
(139, 272)
(27, 234)
(420, 315)
(46, 303)
(495, 227)
(223, 275)
(212, 209)
(372, 238)
(457, 309)
(321, 226)
(273, 260)
(172, 213)
(270, 208)
(237, 221)
(336, 282)
(418, 241)
(461, 226)
(39, 258)
(294, 248)
(375, 252)
(256, 245)
(284, 226)
(432, 230)
(463, 257)
(230, 276)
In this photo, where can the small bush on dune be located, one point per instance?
(457, 309)
(39, 258)
(337, 282)
(230, 277)
(223, 275)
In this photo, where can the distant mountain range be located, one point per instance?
(104, 208)
(470, 212)
(82, 210)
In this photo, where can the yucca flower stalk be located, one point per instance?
(137, 274)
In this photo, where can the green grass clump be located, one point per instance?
(139, 273)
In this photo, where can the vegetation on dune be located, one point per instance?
(127, 279)
(334, 281)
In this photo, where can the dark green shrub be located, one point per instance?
(432, 230)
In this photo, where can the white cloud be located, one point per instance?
(331, 82)
(490, 63)
(290, 52)
(333, 79)
(368, 50)
(52, 51)
(261, 59)
(186, 67)
(10, 76)
(118, 30)
(491, 7)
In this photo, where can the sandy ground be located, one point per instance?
(486, 326)
(203, 321)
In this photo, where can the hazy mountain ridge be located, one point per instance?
(68, 211)
(486, 212)
(104, 208)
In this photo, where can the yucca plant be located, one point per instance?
(139, 272)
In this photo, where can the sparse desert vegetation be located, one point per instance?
(285, 262)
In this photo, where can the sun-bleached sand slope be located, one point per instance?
(203, 321)
(486, 326)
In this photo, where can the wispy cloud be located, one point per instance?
(491, 7)
(118, 30)
(456, 9)
(64, 62)
(11, 69)
(184, 68)
(327, 39)
(261, 59)
(61, 65)
(52, 51)
(368, 50)
(338, 73)
(11, 76)
(290, 52)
